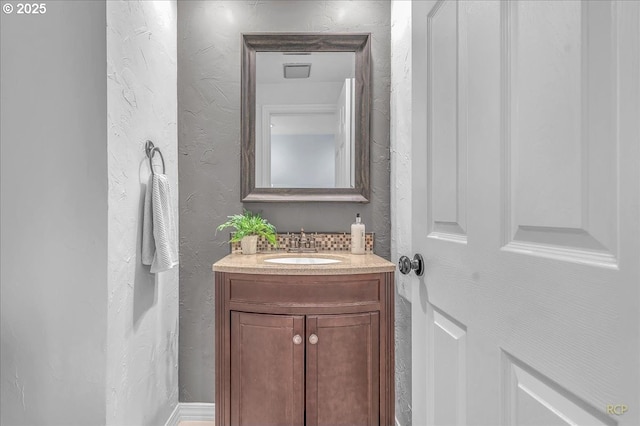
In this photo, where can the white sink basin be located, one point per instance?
(302, 260)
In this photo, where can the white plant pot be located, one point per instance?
(249, 244)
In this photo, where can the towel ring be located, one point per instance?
(150, 149)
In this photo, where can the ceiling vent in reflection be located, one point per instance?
(297, 70)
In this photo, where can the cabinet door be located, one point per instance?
(267, 369)
(343, 370)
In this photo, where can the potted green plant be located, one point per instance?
(249, 226)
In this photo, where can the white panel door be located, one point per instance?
(526, 208)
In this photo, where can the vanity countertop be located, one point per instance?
(349, 264)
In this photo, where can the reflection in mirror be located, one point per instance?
(305, 117)
(304, 131)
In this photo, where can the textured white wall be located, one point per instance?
(54, 215)
(142, 336)
(401, 194)
(88, 335)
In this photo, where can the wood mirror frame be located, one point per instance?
(358, 43)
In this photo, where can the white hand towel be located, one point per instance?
(162, 244)
(148, 243)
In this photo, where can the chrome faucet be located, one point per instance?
(302, 243)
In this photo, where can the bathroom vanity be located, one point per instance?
(303, 343)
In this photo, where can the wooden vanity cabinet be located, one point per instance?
(267, 369)
(304, 350)
(342, 374)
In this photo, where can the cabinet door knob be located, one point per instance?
(297, 339)
(313, 339)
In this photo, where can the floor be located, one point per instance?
(196, 423)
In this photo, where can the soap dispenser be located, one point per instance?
(357, 236)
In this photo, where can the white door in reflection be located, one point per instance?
(302, 150)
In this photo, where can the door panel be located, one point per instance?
(267, 369)
(532, 399)
(560, 142)
(446, 140)
(448, 350)
(343, 370)
(533, 319)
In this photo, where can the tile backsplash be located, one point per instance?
(325, 241)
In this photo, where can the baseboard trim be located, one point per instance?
(174, 418)
(192, 411)
(198, 411)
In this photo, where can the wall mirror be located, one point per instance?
(305, 117)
